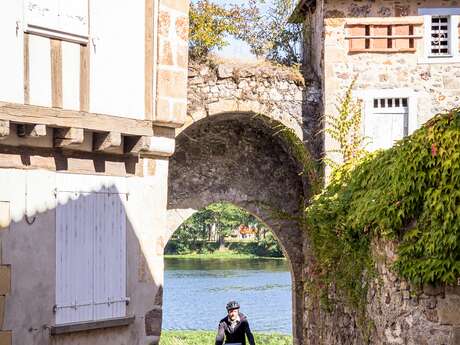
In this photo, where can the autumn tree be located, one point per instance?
(211, 24)
(264, 27)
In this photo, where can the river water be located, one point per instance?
(196, 292)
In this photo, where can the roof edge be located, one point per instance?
(298, 15)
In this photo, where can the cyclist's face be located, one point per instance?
(232, 314)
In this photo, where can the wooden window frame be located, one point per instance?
(380, 35)
(454, 39)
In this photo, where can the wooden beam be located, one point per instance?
(4, 129)
(65, 137)
(106, 141)
(90, 325)
(84, 77)
(30, 131)
(414, 20)
(26, 70)
(149, 51)
(56, 73)
(69, 118)
(135, 144)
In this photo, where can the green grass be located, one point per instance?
(208, 338)
(226, 254)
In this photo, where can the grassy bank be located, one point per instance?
(208, 338)
(242, 248)
(227, 254)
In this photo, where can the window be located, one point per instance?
(389, 115)
(64, 19)
(90, 257)
(376, 35)
(441, 34)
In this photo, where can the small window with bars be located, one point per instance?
(440, 35)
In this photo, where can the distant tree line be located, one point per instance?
(208, 229)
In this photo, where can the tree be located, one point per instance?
(267, 32)
(223, 218)
(210, 25)
(270, 35)
(345, 128)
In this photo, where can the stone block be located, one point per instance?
(179, 5)
(222, 106)
(172, 84)
(451, 82)
(2, 310)
(153, 321)
(164, 23)
(224, 71)
(448, 310)
(456, 336)
(5, 214)
(6, 338)
(5, 279)
(182, 56)
(166, 55)
(179, 112)
(431, 290)
(182, 27)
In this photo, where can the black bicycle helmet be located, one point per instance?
(232, 305)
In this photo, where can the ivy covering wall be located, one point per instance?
(409, 194)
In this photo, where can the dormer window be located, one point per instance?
(441, 34)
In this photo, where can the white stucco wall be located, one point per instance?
(30, 250)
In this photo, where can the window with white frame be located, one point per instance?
(64, 19)
(441, 34)
(90, 257)
(389, 115)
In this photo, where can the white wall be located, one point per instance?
(12, 54)
(30, 247)
(117, 57)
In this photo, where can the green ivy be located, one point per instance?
(409, 194)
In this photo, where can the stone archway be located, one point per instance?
(238, 158)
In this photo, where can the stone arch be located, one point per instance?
(236, 158)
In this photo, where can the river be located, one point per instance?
(196, 291)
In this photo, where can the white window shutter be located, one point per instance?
(110, 258)
(90, 257)
(386, 121)
(74, 257)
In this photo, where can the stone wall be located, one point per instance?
(436, 85)
(279, 93)
(228, 150)
(171, 78)
(397, 312)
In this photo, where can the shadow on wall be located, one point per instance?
(75, 253)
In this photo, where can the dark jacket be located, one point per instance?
(236, 335)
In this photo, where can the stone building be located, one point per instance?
(405, 59)
(90, 95)
(404, 55)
